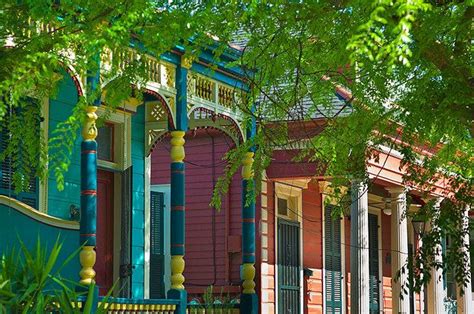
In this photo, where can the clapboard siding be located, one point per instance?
(60, 109)
(202, 268)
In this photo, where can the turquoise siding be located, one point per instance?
(138, 202)
(60, 108)
(28, 230)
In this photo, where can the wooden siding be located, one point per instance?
(266, 268)
(206, 264)
(60, 109)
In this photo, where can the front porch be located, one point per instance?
(348, 263)
(178, 97)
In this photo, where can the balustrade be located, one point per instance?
(123, 305)
(205, 90)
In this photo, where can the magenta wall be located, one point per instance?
(213, 238)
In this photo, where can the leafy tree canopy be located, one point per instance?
(406, 67)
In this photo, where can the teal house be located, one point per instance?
(105, 204)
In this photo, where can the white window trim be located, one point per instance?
(285, 190)
(122, 122)
(43, 184)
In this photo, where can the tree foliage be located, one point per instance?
(406, 66)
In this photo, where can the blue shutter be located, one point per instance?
(333, 263)
(157, 256)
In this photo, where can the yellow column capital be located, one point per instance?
(89, 130)
(177, 146)
(247, 162)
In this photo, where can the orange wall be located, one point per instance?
(313, 248)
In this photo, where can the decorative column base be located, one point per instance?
(248, 303)
(182, 296)
(177, 283)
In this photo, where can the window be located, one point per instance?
(282, 207)
(105, 142)
(448, 277)
(28, 114)
(288, 207)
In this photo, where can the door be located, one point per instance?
(374, 278)
(105, 231)
(157, 253)
(288, 262)
(333, 263)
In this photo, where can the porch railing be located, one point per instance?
(124, 305)
(213, 95)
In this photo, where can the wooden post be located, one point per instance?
(359, 248)
(400, 300)
(178, 202)
(88, 223)
(248, 298)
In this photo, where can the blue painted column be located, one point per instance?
(88, 223)
(178, 200)
(248, 298)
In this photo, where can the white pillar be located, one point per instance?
(359, 248)
(399, 236)
(435, 290)
(464, 302)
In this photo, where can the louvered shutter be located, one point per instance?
(288, 266)
(157, 257)
(30, 195)
(333, 262)
(126, 234)
(374, 287)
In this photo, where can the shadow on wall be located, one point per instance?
(15, 225)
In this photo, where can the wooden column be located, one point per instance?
(178, 200)
(464, 299)
(399, 236)
(248, 298)
(359, 248)
(435, 290)
(87, 255)
(88, 222)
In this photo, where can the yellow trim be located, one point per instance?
(247, 162)
(89, 131)
(187, 62)
(248, 274)
(177, 269)
(87, 259)
(177, 146)
(37, 215)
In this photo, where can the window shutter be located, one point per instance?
(126, 234)
(157, 286)
(30, 195)
(374, 290)
(333, 263)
